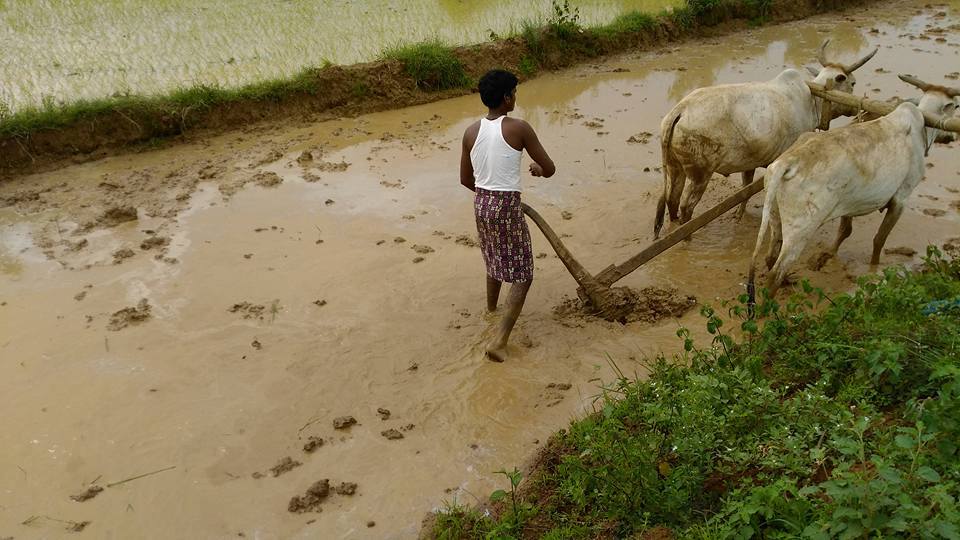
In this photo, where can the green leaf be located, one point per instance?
(498, 495)
(928, 474)
(890, 475)
(947, 530)
(905, 441)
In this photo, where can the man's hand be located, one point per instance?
(536, 169)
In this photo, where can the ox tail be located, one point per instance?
(774, 175)
(666, 158)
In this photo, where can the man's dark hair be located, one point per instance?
(496, 84)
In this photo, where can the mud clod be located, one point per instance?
(566, 215)
(418, 260)
(902, 250)
(392, 434)
(154, 241)
(466, 240)
(371, 524)
(319, 303)
(248, 310)
(285, 465)
(78, 526)
(267, 179)
(384, 413)
(87, 494)
(312, 499)
(343, 422)
(627, 305)
(80, 296)
(560, 386)
(130, 316)
(640, 138)
(122, 254)
(117, 215)
(313, 443)
(934, 212)
(346, 488)
(423, 250)
(399, 240)
(256, 344)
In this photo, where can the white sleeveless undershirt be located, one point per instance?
(496, 164)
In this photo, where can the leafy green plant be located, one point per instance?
(518, 511)
(527, 66)
(565, 21)
(828, 417)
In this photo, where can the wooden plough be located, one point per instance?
(596, 289)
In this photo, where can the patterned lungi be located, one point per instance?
(504, 236)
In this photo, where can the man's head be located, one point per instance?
(497, 89)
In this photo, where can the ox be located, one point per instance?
(847, 172)
(737, 128)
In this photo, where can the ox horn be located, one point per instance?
(822, 54)
(911, 80)
(859, 63)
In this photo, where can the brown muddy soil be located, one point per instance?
(218, 395)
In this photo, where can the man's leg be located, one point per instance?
(497, 351)
(493, 294)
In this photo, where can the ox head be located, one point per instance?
(936, 100)
(837, 76)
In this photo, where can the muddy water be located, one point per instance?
(350, 323)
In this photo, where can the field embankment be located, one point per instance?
(829, 417)
(31, 139)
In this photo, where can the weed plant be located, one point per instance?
(828, 417)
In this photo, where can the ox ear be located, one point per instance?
(813, 71)
(840, 77)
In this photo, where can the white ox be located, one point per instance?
(738, 127)
(847, 172)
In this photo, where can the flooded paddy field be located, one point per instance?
(204, 311)
(64, 51)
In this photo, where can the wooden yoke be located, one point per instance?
(881, 108)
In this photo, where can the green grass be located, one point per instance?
(828, 418)
(633, 22)
(178, 104)
(432, 64)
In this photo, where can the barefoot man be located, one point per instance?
(490, 166)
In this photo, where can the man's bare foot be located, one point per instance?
(497, 353)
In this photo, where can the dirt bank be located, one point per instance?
(133, 123)
(278, 307)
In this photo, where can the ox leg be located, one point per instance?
(894, 209)
(776, 239)
(678, 178)
(793, 243)
(846, 228)
(698, 184)
(747, 178)
(673, 180)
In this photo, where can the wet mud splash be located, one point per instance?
(628, 305)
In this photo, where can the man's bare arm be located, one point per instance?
(466, 166)
(543, 165)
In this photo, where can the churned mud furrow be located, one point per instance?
(209, 309)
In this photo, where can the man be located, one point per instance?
(490, 166)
